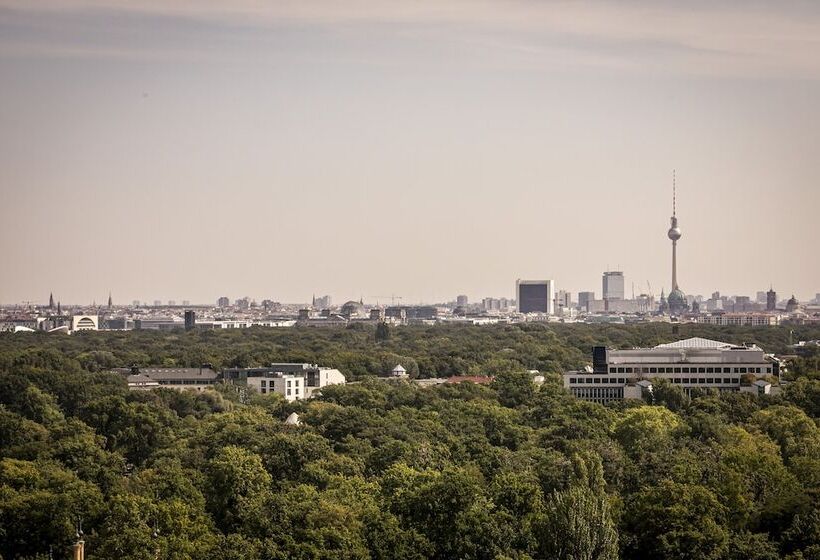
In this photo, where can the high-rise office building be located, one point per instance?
(223, 302)
(562, 299)
(771, 300)
(535, 296)
(461, 301)
(190, 320)
(583, 300)
(613, 285)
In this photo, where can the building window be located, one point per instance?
(726, 380)
(727, 370)
(289, 382)
(686, 370)
(710, 370)
(612, 370)
(597, 380)
(743, 370)
(702, 370)
(288, 392)
(264, 390)
(629, 370)
(710, 380)
(677, 370)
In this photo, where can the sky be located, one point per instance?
(191, 149)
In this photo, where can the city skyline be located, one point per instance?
(782, 296)
(188, 151)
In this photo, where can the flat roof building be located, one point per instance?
(613, 285)
(294, 381)
(535, 296)
(197, 379)
(694, 363)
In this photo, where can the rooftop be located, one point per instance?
(696, 342)
(179, 373)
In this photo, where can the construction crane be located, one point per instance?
(393, 298)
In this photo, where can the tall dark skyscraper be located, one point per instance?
(771, 299)
(190, 320)
(676, 299)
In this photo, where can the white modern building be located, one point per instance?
(84, 323)
(294, 381)
(292, 387)
(694, 363)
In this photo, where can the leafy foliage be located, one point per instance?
(389, 470)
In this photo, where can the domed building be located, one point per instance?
(792, 305)
(677, 302)
(352, 309)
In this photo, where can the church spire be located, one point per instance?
(51, 300)
(110, 301)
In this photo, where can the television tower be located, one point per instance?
(676, 299)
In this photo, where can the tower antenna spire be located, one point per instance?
(674, 194)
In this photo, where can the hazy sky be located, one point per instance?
(191, 149)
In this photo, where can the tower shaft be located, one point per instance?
(674, 264)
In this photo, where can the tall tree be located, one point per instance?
(578, 525)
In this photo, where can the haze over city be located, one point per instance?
(193, 150)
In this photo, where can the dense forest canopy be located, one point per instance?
(388, 470)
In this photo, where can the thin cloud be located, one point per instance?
(743, 39)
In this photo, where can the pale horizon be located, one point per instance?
(192, 150)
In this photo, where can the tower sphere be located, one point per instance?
(674, 233)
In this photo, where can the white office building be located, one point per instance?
(294, 381)
(613, 285)
(694, 363)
